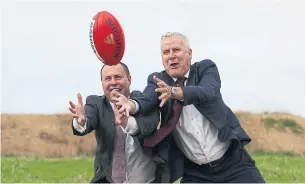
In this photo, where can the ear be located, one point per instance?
(190, 53)
(129, 79)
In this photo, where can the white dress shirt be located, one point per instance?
(140, 168)
(197, 137)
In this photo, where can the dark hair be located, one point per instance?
(125, 67)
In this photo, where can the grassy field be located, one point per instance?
(274, 167)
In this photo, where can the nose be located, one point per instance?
(171, 55)
(113, 81)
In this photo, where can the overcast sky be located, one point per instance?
(258, 46)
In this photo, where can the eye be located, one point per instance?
(165, 52)
(176, 49)
(107, 79)
(118, 77)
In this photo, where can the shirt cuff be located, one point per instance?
(131, 127)
(137, 106)
(78, 127)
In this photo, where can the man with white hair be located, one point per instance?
(200, 138)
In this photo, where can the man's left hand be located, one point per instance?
(164, 89)
(122, 103)
(120, 118)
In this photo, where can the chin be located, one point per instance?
(174, 74)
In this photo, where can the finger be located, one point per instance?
(121, 110)
(163, 96)
(115, 93)
(72, 104)
(116, 112)
(116, 120)
(75, 116)
(156, 79)
(72, 110)
(162, 84)
(79, 99)
(162, 102)
(124, 111)
(122, 116)
(114, 99)
(127, 113)
(118, 105)
(161, 90)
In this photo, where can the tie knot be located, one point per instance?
(180, 81)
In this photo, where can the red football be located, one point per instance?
(107, 38)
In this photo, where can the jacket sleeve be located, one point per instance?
(149, 98)
(208, 86)
(91, 113)
(147, 121)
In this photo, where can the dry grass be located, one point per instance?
(42, 136)
(51, 135)
(274, 139)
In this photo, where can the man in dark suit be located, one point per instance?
(119, 153)
(200, 138)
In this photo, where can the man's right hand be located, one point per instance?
(78, 110)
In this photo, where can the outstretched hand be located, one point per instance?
(164, 89)
(78, 110)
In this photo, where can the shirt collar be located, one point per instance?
(112, 105)
(186, 75)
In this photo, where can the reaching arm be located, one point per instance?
(91, 115)
(148, 122)
(145, 123)
(209, 85)
(138, 104)
(149, 98)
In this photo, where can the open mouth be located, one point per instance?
(116, 89)
(173, 65)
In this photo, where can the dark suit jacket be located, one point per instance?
(203, 91)
(100, 117)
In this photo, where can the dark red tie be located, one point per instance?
(160, 134)
(118, 161)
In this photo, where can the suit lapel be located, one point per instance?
(192, 77)
(168, 80)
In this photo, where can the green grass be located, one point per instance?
(279, 167)
(282, 124)
(283, 167)
(26, 170)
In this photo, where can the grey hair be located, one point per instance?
(169, 34)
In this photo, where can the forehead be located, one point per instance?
(113, 70)
(172, 41)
